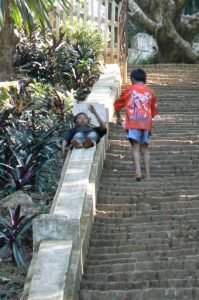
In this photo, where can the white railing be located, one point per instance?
(102, 14)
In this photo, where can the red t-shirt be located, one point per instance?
(140, 103)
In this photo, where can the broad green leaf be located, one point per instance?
(26, 225)
(18, 256)
(16, 14)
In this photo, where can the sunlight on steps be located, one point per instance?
(145, 241)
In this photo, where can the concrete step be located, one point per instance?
(136, 242)
(151, 214)
(143, 194)
(146, 207)
(186, 265)
(168, 245)
(133, 185)
(146, 284)
(131, 276)
(142, 294)
(143, 256)
(154, 202)
(145, 227)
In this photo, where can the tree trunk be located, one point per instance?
(173, 30)
(7, 46)
(172, 51)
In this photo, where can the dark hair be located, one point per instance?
(138, 75)
(81, 113)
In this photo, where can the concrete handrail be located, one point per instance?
(61, 238)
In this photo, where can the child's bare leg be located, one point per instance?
(90, 140)
(77, 141)
(136, 158)
(146, 158)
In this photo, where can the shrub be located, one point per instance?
(32, 122)
(12, 233)
(73, 63)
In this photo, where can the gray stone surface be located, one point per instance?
(56, 227)
(17, 198)
(51, 269)
(70, 201)
(143, 47)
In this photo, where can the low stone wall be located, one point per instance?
(61, 237)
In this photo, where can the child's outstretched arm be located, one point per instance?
(99, 119)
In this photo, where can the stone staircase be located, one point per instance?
(145, 239)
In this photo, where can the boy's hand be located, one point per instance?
(92, 109)
(156, 119)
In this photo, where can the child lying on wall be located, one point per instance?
(83, 135)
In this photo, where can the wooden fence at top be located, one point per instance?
(108, 18)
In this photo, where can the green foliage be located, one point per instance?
(32, 123)
(12, 233)
(27, 12)
(72, 63)
(35, 112)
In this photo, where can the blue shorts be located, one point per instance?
(141, 136)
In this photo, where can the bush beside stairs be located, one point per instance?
(145, 238)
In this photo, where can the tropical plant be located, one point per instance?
(12, 233)
(20, 14)
(73, 63)
(30, 138)
(26, 12)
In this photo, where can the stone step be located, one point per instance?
(131, 276)
(131, 184)
(146, 284)
(148, 247)
(167, 159)
(159, 167)
(148, 218)
(154, 202)
(145, 194)
(146, 207)
(146, 184)
(142, 294)
(160, 139)
(186, 265)
(156, 153)
(123, 145)
(143, 256)
(155, 176)
(164, 234)
(171, 241)
(171, 213)
(146, 227)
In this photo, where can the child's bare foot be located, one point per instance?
(138, 178)
(76, 144)
(146, 176)
(88, 143)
